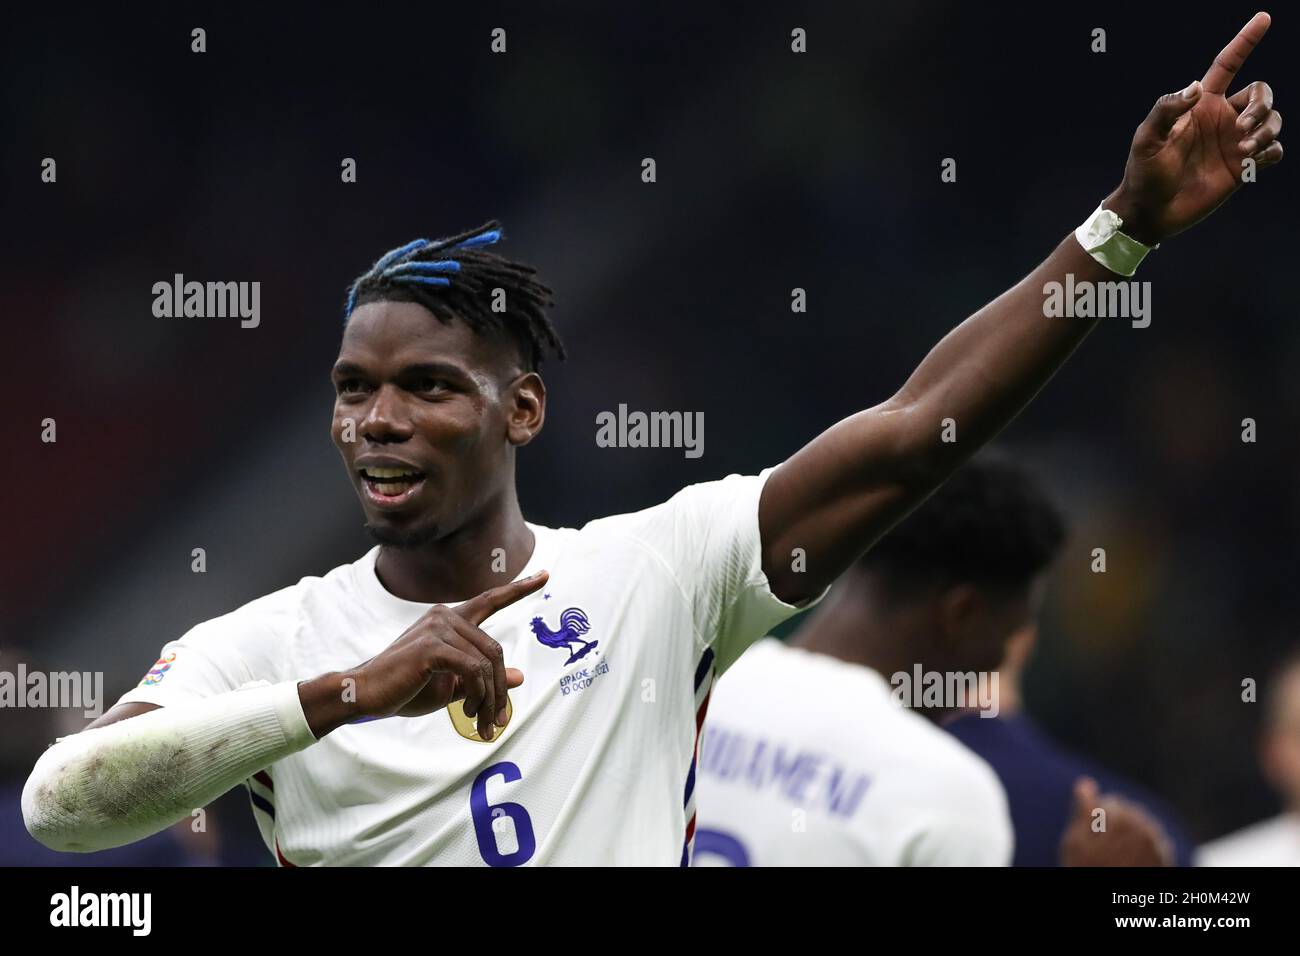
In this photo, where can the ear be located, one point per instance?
(1020, 645)
(961, 612)
(526, 410)
(966, 630)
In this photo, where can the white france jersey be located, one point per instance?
(1273, 842)
(597, 762)
(808, 760)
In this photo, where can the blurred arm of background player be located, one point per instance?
(1131, 836)
(841, 492)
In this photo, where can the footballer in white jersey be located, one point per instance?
(438, 386)
(596, 761)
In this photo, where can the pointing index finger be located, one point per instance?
(478, 609)
(1232, 56)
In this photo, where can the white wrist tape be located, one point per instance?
(1100, 237)
(114, 785)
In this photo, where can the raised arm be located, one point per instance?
(837, 495)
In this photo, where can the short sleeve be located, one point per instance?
(708, 536)
(966, 824)
(964, 841)
(216, 656)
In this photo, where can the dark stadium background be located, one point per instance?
(774, 171)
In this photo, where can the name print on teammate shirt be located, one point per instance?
(804, 778)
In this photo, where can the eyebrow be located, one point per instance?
(346, 368)
(407, 371)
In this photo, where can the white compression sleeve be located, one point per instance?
(114, 785)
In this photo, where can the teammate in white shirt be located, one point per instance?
(834, 770)
(1276, 841)
(592, 759)
(808, 760)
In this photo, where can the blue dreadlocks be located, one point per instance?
(456, 278)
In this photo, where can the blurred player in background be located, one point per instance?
(808, 757)
(592, 760)
(849, 777)
(1050, 788)
(1274, 842)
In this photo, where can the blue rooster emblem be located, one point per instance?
(573, 624)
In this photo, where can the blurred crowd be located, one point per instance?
(774, 172)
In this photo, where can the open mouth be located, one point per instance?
(391, 486)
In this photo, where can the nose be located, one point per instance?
(386, 420)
